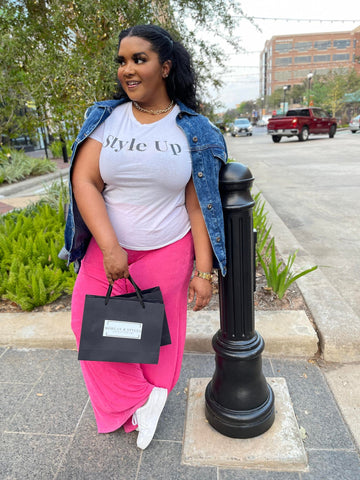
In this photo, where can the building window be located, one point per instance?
(303, 46)
(322, 44)
(341, 44)
(303, 59)
(282, 76)
(322, 58)
(281, 61)
(300, 73)
(341, 57)
(322, 71)
(283, 47)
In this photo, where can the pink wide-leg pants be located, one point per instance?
(117, 390)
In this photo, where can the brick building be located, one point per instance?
(288, 59)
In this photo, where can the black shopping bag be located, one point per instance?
(150, 295)
(124, 328)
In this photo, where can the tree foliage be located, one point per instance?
(57, 55)
(328, 91)
(274, 100)
(230, 115)
(246, 108)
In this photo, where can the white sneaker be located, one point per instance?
(147, 416)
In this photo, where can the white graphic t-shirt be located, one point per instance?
(145, 168)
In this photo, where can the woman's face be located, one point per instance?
(140, 73)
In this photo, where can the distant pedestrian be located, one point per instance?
(145, 200)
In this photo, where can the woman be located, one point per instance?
(145, 201)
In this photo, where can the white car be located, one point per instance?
(354, 125)
(241, 126)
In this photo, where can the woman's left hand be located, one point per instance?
(202, 289)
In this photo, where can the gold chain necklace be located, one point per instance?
(154, 112)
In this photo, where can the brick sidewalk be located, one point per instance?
(49, 431)
(5, 207)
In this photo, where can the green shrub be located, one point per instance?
(278, 275)
(15, 165)
(31, 272)
(261, 226)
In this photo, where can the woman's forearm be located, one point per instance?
(202, 244)
(199, 287)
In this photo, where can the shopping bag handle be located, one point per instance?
(137, 290)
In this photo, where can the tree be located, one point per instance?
(297, 93)
(59, 54)
(274, 100)
(247, 107)
(208, 109)
(329, 90)
(230, 115)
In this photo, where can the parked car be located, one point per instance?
(354, 125)
(302, 122)
(241, 125)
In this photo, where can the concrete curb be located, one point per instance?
(19, 187)
(286, 333)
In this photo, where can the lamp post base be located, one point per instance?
(240, 424)
(238, 401)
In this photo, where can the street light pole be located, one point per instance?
(309, 76)
(286, 87)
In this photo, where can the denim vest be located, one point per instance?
(208, 154)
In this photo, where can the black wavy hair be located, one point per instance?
(181, 83)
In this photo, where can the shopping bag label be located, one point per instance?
(120, 329)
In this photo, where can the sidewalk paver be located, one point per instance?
(49, 430)
(344, 381)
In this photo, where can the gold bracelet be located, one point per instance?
(204, 275)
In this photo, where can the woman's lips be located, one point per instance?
(132, 84)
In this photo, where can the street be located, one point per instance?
(314, 187)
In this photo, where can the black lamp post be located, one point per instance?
(309, 76)
(239, 402)
(286, 87)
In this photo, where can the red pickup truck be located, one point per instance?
(301, 122)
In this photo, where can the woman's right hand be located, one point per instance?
(115, 263)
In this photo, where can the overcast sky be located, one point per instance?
(241, 77)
